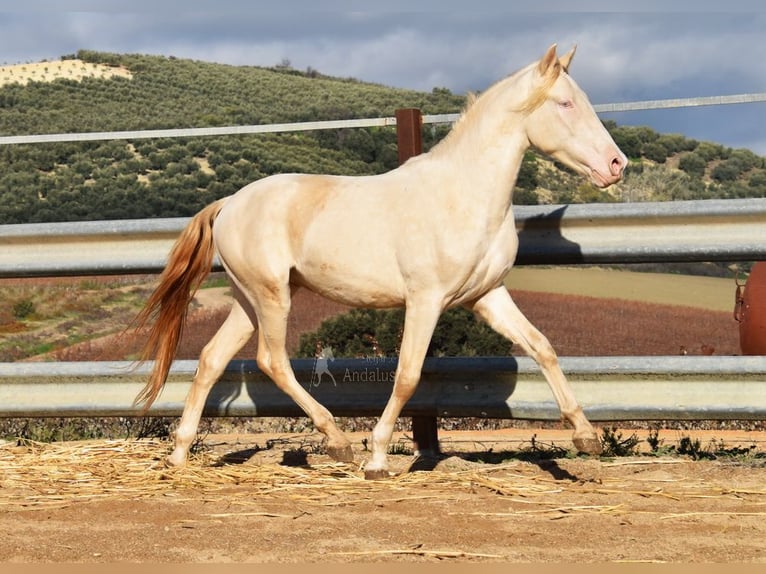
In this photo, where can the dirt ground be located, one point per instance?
(492, 497)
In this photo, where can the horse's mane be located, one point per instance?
(533, 100)
(537, 97)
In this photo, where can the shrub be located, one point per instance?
(23, 309)
(371, 333)
(675, 143)
(758, 180)
(656, 152)
(710, 151)
(613, 443)
(628, 142)
(692, 163)
(728, 170)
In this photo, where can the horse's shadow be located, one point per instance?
(546, 464)
(299, 457)
(541, 240)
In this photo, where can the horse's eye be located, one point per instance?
(566, 104)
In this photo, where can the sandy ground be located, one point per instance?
(492, 498)
(278, 499)
(58, 69)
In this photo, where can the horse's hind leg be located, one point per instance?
(273, 306)
(230, 338)
(501, 313)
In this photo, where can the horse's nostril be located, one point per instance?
(617, 166)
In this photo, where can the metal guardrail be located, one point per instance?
(608, 388)
(703, 230)
(354, 123)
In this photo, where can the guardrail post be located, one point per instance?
(425, 433)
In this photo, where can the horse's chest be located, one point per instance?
(492, 264)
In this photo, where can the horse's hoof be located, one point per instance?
(587, 445)
(378, 474)
(169, 463)
(341, 453)
(165, 464)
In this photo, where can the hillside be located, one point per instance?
(93, 91)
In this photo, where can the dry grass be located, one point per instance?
(59, 315)
(35, 476)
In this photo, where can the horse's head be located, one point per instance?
(326, 353)
(561, 122)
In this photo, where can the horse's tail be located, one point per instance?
(188, 264)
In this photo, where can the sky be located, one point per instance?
(668, 49)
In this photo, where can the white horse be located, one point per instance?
(435, 233)
(322, 367)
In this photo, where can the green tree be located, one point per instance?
(527, 177)
(758, 180)
(656, 152)
(628, 142)
(676, 143)
(692, 163)
(728, 170)
(376, 333)
(710, 151)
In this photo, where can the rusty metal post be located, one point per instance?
(409, 138)
(425, 433)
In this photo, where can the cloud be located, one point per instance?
(621, 56)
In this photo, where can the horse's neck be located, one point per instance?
(480, 161)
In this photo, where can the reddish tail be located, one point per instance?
(188, 264)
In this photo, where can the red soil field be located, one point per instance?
(575, 325)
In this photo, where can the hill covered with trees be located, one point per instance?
(176, 177)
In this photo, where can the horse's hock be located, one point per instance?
(751, 312)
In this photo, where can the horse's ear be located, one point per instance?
(566, 59)
(547, 61)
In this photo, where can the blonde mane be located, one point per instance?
(533, 100)
(540, 93)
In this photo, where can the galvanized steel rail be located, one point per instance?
(703, 230)
(354, 123)
(608, 388)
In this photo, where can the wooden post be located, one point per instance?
(409, 140)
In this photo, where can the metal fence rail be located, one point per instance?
(704, 230)
(608, 388)
(354, 123)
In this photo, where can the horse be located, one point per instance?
(434, 233)
(322, 367)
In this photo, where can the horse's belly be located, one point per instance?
(350, 288)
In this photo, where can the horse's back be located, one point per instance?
(329, 233)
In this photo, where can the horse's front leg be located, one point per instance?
(501, 313)
(419, 323)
